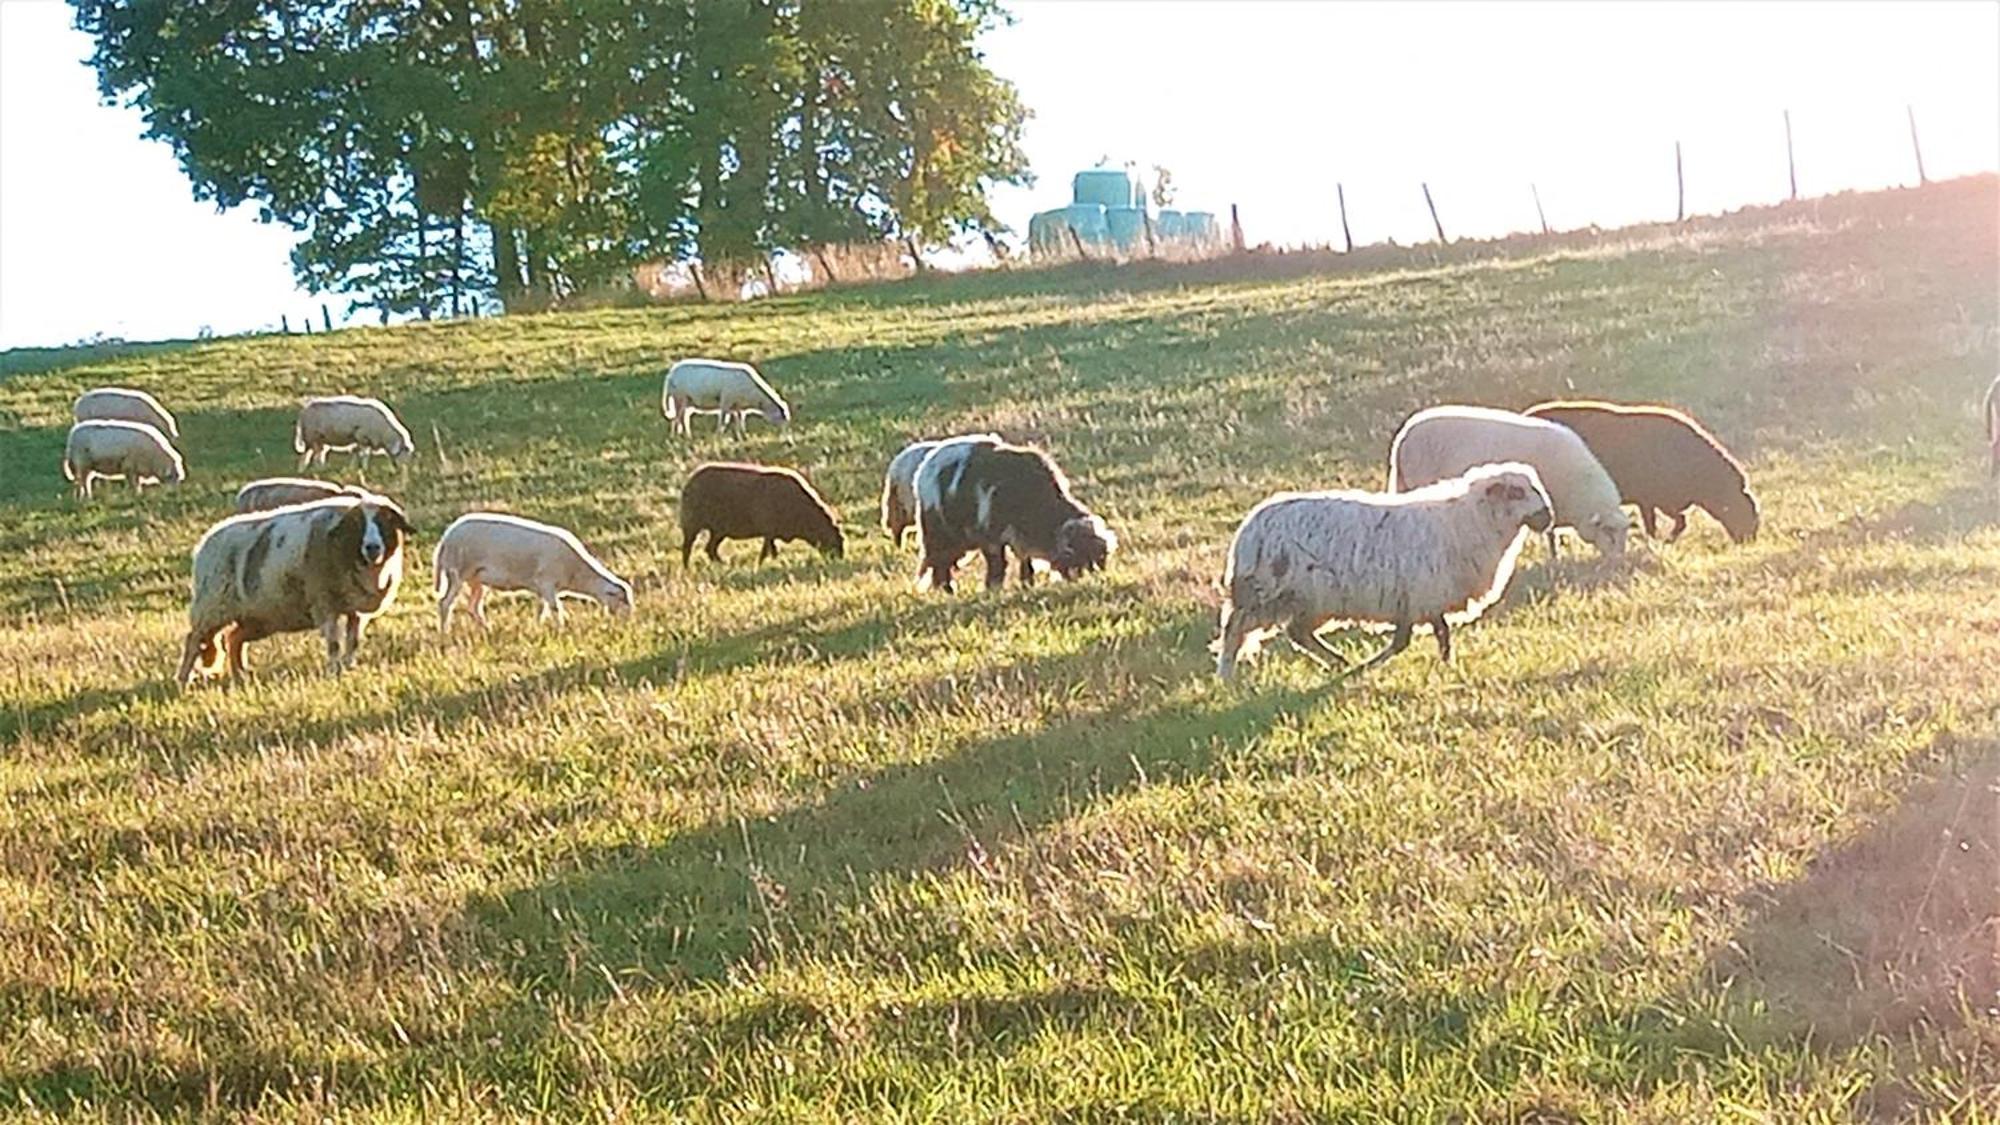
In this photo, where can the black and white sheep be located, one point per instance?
(1446, 441)
(484, 551)
(349, 422)
(981, 494)
(329, 565)
(125, 404)
(1431, 557)
(109, 450)
(899, 484)
(728, 390)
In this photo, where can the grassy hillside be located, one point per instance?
(1709, 835)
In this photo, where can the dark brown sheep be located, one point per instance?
(981, 494)
(1664, 462)
(735, 501)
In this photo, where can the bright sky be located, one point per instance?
(1265, 105)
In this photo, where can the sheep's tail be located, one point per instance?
(298, 437)
(69, 470)
(438, 570)
(890, 508)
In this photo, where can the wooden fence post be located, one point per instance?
(916, 259)
(325, 316)
(770, 276)
(1434, 214)
(819, 253)
(1915, 147)
(1340, 190)
(1539, 213)
(1680, 187)
(1235, 229)
(284, 324)
(694, 271)
(306, 321)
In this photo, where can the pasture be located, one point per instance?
(1710, 835)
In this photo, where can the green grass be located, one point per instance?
(1709, 836)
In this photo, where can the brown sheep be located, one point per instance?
(1664, 462)
(738, 501)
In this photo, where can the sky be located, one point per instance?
(1264, 105)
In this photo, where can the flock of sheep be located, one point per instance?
(1466, 486)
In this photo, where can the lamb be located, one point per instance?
(330, 565)
(349, 422)
(739, 501)
(1445, 441)
(899, 485)
(278, 492)
(1662, 461)
(1433, 556)
(713, 386)
(981, 494)
(110, 449)
(484, 551)
(1991, 410)
(123, 404)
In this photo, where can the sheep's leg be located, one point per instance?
(330, 631)
(1441, 629)
(453, 583)
(305, 458)
(770, 550)
(1397, 643)
(1680, 519)
(1551, 536)
(1303, 632)
(714, 549)
(353, 640)
(940, 568)
(687, 544)
(1235, 630)
(721, 422)
(1027, 571)
(475, 603)
(133, 480)
(1647, 515)
(996, 567)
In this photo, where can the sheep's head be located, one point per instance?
(616, 597)
(776, 412)
(1739, 516)
(1607, 532)
(1514, 493)
(1082, 544)
(402, 448)
(832, 543)
(375, 529)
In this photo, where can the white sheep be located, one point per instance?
(1431, 557)
(278, 492)
(899, 484)
(1445, 441)
(484, 551)
(108, 449)
(124, 404)
(713, 386)
(349, 422)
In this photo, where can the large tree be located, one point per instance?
(436, 153)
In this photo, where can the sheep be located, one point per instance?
(110, 449)
(1662, 461)
(484, 551)
(349, 422)
(124, 404)
(278, 492)
(713, 386)
(739, 501)
(899, 485)
(1433, 556)
(981, 494)
(1991, 410)
(330, 565)
(1445, 441)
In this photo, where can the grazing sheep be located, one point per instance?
(899, 485)
(123, 404)
(484, 551)
(736, 501)
(107, 449)
(981, 494)
(1433, 556)
(278, 492)
(1991, 410)
(1663, 461)
(329, 565)
(349, 422)
(1445, 441)
(727, 390)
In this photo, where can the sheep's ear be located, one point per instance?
(1501, 490)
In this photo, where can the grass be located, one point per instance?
(1709, 836)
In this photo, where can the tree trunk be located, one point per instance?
(507, 267)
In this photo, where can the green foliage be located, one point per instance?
(1707, 836)
(435, 152)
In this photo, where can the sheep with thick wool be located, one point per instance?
(731, 391)
(1447, 441)
(981, 494)
(899, 485)
(329, 565)
(349, 423)
(1430, 557)
(110, 450)
(1663, 462)
(484, 551)
(125, 404)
